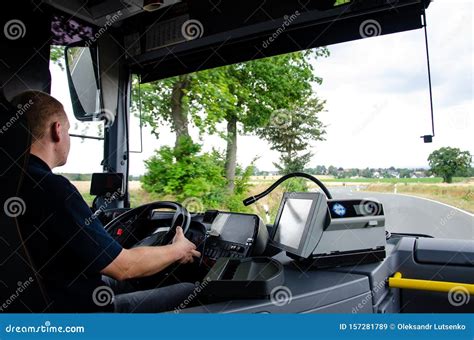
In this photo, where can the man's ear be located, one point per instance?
(56, 132)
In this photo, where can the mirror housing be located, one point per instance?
(83, 79)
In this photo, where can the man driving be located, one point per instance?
(75, 259)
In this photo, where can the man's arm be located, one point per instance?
(146, 261)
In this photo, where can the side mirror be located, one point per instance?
(83, 79)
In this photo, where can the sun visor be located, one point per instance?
(24, 44)
(188, 38)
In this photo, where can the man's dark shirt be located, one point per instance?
(68, 246)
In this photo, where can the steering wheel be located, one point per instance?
(129, 232)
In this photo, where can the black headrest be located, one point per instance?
(20, 287)
(15, 138)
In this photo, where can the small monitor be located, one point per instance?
(106, 183)
(293, 221)
(300, 222)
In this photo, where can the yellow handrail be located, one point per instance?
(435, 286)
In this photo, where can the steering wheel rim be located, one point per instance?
(181, 213)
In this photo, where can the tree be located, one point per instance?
(471, 172)
(351, 173)
(57, 56)
(163, 102)
(262, 87)
(366, 173)
(184, 172)
(318, 170)
(332, 170)
(243, 96)
(405, 173)
(446, 162)
(292, 133)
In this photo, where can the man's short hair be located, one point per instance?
(39, 108)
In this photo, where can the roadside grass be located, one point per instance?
(394, 180)
(459, 196)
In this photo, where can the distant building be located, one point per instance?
(393, 174)
(419, 174)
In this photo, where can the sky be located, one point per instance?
(377, 102)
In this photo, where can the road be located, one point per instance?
(411, 214)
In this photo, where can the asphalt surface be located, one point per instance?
(409, 214)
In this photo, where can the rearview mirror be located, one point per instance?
(83, 80)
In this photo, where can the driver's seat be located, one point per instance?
(20, 285)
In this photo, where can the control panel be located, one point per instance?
(216, 248)
(233, 235)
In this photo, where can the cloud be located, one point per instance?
(378, 97)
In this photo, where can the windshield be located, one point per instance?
(350, 114)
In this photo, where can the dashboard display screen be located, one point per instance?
(291, 225)
(234, 227)
(354, 208)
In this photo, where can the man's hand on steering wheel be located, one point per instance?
(185, 249)
(155, 251)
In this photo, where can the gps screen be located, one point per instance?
(292, 222)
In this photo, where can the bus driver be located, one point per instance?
(75, 258)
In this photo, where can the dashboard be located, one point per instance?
(341, 244)
(215, 233)
(232, 235)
